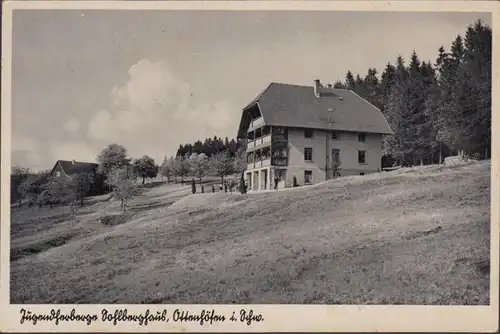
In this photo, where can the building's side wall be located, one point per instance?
(59, 169)
(322, 145)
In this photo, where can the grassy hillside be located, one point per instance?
(413, 236)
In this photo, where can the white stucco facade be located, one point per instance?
(260, 174)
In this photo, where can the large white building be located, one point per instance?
(311, 132)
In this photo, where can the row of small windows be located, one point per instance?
(309, 133)
(308, 155)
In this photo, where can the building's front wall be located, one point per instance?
(322, 145)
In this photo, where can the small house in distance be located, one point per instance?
(68, 169)
(314, 133)
(65, 168)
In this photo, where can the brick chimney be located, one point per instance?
(317, 85)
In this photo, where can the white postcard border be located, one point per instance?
(277, 318)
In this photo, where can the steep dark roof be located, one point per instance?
(297, 106)
(257, 98)
(77, 167)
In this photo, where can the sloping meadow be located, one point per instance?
(414, 236)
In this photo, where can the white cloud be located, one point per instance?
(101, 127)
(72, 126)
(151, 85)
(154, 112)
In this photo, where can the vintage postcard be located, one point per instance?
(250, 166)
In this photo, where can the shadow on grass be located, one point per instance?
(423, 233)
(41, 246)
(149, 206)
(481, 266)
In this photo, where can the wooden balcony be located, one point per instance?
(279, 138)
(256, 123)
(259, 163)
(259, 143)
(279, 161)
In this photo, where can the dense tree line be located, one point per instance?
(435, 109)
(210, 146)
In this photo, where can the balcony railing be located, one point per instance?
(259, 163)
(279, 161)
(256, 123)
(267, 162)
(279, 137)
(259, 142)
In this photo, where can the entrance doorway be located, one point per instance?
(280, 174)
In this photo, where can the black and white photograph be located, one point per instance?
(306, 157)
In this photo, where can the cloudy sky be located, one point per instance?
(151, 80)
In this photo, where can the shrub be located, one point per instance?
(115, 219)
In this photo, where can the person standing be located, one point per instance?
(193, 186)
(276, 181)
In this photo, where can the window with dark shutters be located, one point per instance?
(362, 157)
(308, 152)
